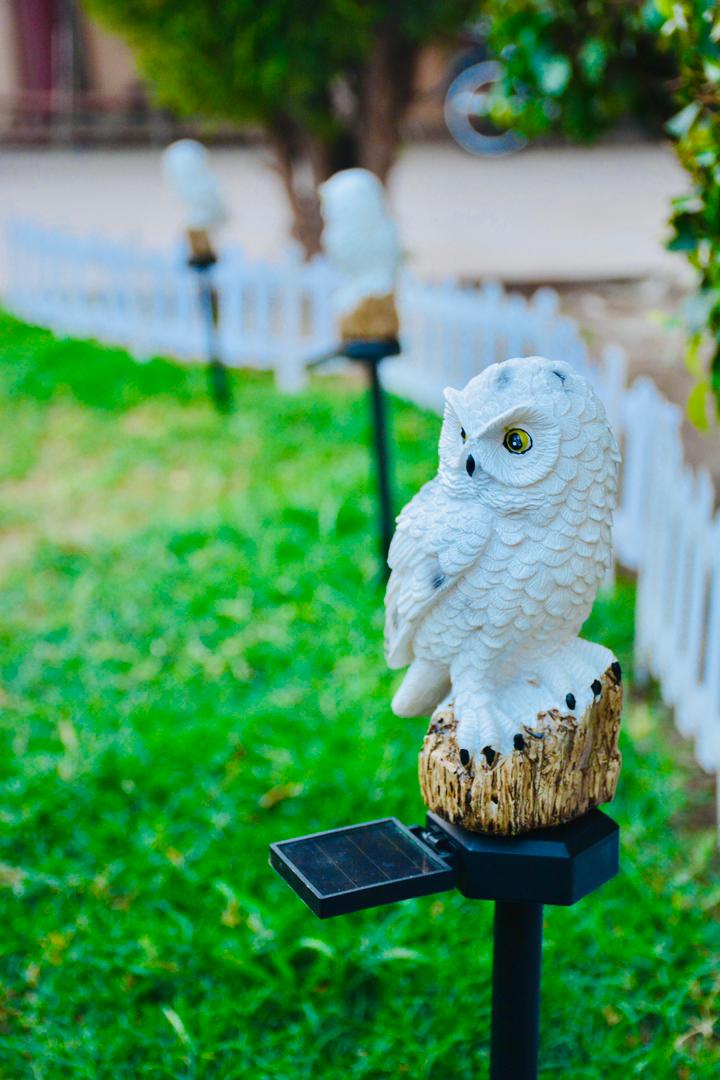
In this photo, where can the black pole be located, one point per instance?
(217, 372)
(517, 961)
(381, 463)
(371, 353)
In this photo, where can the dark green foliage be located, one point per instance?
(577, 68)
(243, 60)
(191, 664)
(237, 60)
(693, 29)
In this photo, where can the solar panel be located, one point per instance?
(361, 866)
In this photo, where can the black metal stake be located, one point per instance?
(382, 464)
(362, 866)
(517, 959)
(371, 354)
(217, 372)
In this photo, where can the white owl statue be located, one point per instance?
(361, 241)
(186, 166)
(495, 563)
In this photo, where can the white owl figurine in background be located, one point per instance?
(496, 561)
(359, 237)
(186, 166)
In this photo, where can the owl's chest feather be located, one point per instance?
(524, 587)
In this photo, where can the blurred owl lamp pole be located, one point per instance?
(495, 566)
(361, 242)
(188, 174)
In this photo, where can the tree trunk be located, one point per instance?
(303, 199)
(386, 85)
(303, 161)
(369, 139)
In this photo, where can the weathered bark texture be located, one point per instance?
(567, 766)
(375, 319)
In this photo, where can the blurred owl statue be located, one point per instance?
(186, 167)
(360, 240)
(495, 563)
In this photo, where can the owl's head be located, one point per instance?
(187, 171)
(359, 236)
(522, 432)
(353, 194)
(183, 162)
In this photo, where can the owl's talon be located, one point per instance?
(570, 701)
(616, 670)
(596, 687)
(489, 754)
(518, 742)
(464, 757)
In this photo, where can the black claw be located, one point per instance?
(616, 670)
(489, 754)
(519, 742)
(596, 687)
(464, 757)
(570, 701)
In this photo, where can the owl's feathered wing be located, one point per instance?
(438, 538)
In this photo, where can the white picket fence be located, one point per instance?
(277, 316)
(272, 315)
(669, 532)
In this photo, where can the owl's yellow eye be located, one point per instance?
(463, 434)
(517, 441)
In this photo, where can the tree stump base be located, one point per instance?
(202, 253)
(375, 319)
(568, 765)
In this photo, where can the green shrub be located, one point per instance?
(577, 68)
(693, 28)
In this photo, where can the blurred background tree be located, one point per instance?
(331, 84)
(329, 81)
(577, 68)
(693, 28)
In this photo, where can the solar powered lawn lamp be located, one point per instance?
(360, 239)
(495, 566)
(188, 173)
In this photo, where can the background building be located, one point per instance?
(65, 80)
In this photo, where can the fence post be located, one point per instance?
(290, 373)
(613, 384)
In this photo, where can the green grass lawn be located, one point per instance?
(191, 661)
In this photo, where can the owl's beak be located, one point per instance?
(470, 464)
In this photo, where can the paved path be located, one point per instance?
(543, 215)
